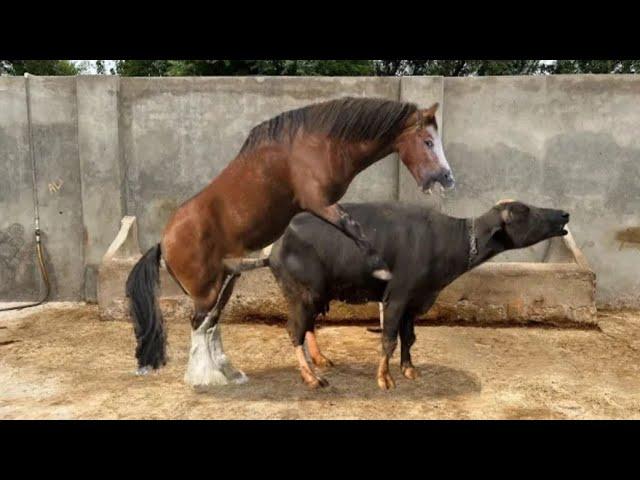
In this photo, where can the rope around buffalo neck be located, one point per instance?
(473, 243)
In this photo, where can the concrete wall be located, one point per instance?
(565, 141)
(108, 146)
(18, 278)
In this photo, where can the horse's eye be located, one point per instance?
(429, 143)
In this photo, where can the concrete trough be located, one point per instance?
(558, 290)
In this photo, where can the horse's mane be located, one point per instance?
(349, 119)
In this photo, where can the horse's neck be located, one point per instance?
(365, 154)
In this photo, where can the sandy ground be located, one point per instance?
(61, 362)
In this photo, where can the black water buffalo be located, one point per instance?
(425, 250)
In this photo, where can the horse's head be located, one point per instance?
(420, 149)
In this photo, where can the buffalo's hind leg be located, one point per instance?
(208, 365)
(299, 325)
(313, 348)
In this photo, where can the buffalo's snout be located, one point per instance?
(559, 219)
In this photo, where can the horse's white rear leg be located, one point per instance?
(208, 365)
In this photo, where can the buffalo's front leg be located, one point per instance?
(393, 313)
(407, 339)
(340, 218)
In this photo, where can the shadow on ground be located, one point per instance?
(352, 381)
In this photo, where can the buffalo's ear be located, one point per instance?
(499, 240)
(519, 210)
(506, 215)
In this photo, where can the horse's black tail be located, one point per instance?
(148, 324)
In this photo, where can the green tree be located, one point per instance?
(38, 67)
(244, 67)
(595, 66)
(457, 68)
(331, 67)
(211, 67)
(100, 69)
(142, 68)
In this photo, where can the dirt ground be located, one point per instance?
(60, 362)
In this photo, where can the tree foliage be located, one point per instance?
(458, 68)
(38, 67)
(596, 66)
(449, 68)
(147, 68)
(142, 68)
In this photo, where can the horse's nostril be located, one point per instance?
(447, 178)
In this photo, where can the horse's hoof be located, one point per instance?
(142, 371)
(240, 379)
(382, 274)
(374, 329)
(386, 382)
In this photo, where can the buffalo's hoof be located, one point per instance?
(382, 274)
(312, 380)
(385, 381)
(410, 372)
(322, 361)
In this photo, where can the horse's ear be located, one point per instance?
(423, 117)
(415, 120)
(431, 111)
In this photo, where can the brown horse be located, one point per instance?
(302, 159)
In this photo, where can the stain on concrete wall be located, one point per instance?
(16, 262)
(17, 270)
(629, 237)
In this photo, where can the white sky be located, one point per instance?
(91, 65)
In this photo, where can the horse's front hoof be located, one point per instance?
(382, 274)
